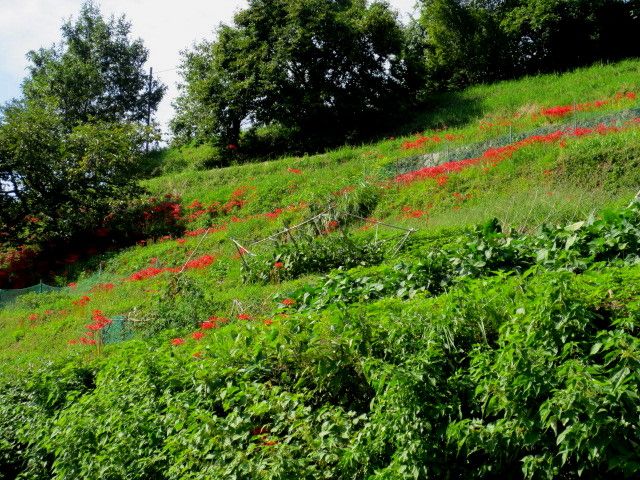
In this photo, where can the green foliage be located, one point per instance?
(57, 183)
(479, 41)
(487, 251)
(310, 66)
(531, 376)
(306, 254)
(95, 73)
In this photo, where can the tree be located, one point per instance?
(321, 69)
(96, 72)
(552, 35)
(463, 44)
(55, 183)
(472, 41)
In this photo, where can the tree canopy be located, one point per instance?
(95, 72)
(57, 183)
(312, 66)
(472, 41)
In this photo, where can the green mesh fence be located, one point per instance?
(431, 159)
(8, 296)
(117, 331)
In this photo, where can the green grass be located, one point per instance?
(520, 192)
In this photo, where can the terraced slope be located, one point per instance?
(460, 302)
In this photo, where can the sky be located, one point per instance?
(166, 26)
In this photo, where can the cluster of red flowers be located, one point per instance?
(410, 212)
(100, 321)
(166, 210)
(422, 140)
(295, 171)
(493, 156)
(150, 272)
(560, 111)
(82, 301)
(213, 322)
(288, 302)
(103, 287)
(332, 226)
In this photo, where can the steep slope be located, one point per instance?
(343, 316)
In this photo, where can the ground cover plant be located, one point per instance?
(472, 319)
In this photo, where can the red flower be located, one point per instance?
(177, 342)
(198, 354)
(294, 170)
(288, 302)
(268, 322)
(81, 301)
(197, 335)
(33, 317)
(244, 316)
(208, 325)
(278, 265)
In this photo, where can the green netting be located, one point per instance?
(117, 331)
(579, 120)
(8, 296)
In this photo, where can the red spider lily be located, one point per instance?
(268, 322)
(150, 272)
(81, 301)
(332, 225)
(294, 170)
(146, 273)
(198, 354)
(105, 287)
(411, 213)
(176, 342)
(181, 241)
(197, 335)
(33, 317)
(49, 312)
(274, 214)
(495, 155)
(99, 321)
(244, 316)
(278, 265)
(288, 302)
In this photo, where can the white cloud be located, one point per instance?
(167, 27)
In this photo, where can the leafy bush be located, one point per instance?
(307, 254)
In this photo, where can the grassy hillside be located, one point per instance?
(464, 304)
